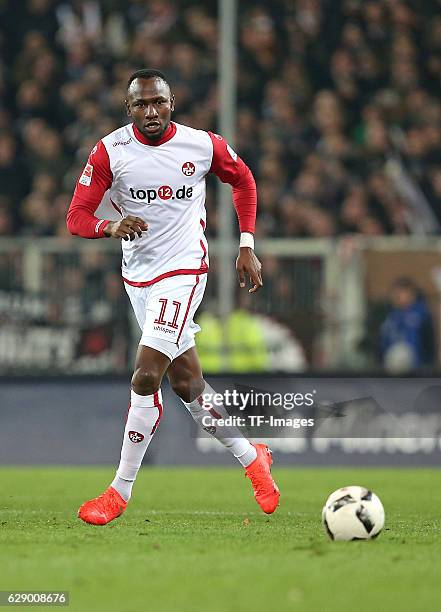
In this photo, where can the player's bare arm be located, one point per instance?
(248, 266)
(127, 228)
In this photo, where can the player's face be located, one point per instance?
(150, 104)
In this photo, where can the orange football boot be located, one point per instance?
(102, 509)
(266, 491)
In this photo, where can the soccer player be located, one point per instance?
(154, 170)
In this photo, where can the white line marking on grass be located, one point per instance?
(204, 512)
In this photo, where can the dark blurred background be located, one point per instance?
(339, 118)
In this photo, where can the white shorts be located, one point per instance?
(165, 312)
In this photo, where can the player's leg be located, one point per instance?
(145, 410)
(143, 418)
(186, 380)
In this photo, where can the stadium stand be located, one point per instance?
(329, 95)
(338, 116)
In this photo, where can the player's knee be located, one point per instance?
(188, 389)
(146, 381)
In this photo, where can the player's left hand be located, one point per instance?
(247, 264)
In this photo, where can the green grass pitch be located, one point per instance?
(194, 540)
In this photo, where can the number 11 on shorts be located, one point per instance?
(161, 320)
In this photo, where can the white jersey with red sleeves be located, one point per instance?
(164, 184)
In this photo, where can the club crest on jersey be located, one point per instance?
(136, 437)
(188, 168)
(86, 177)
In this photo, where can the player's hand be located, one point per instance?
(127, 228)
(247, 264)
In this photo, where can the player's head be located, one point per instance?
(149, 102)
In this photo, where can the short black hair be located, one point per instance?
(147, 73)
(404, 282)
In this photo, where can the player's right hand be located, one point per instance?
(126, 229)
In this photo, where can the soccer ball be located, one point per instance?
(353, 513)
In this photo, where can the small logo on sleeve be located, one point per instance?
(188, 168)
(136, 437)
(98, 225)
(86, 177)
(232, 152)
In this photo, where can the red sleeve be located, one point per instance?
(231, 169)
(89, 191)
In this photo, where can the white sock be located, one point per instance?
(230, 437)
(144, 415)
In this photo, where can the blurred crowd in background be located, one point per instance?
(338, 116)
(328, 93)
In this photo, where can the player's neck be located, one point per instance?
(167, 135)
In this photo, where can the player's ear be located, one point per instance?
(128, 111)
(172, 102)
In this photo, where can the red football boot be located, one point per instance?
(102, 509)
(266, 491)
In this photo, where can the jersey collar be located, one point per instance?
(167, 135)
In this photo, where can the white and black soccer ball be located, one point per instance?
(353, 513)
